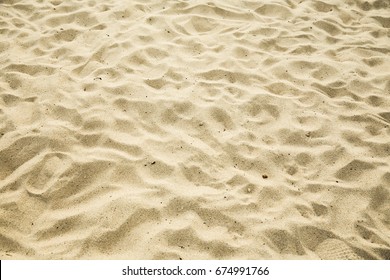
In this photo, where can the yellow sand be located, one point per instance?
(194, 129)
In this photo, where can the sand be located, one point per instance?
(194, 129)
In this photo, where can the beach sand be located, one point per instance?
(194, 129)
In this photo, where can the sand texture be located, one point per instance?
(194, 129)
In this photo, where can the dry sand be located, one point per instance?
(195, 129)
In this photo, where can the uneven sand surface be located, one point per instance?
(194, 129)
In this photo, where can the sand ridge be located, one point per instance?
(194, 129)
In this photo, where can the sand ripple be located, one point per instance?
(195, 129)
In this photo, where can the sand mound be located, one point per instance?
(195, 129)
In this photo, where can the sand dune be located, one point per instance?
(194, 129)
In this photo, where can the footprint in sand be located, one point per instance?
(47, 173)
(334, 249)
